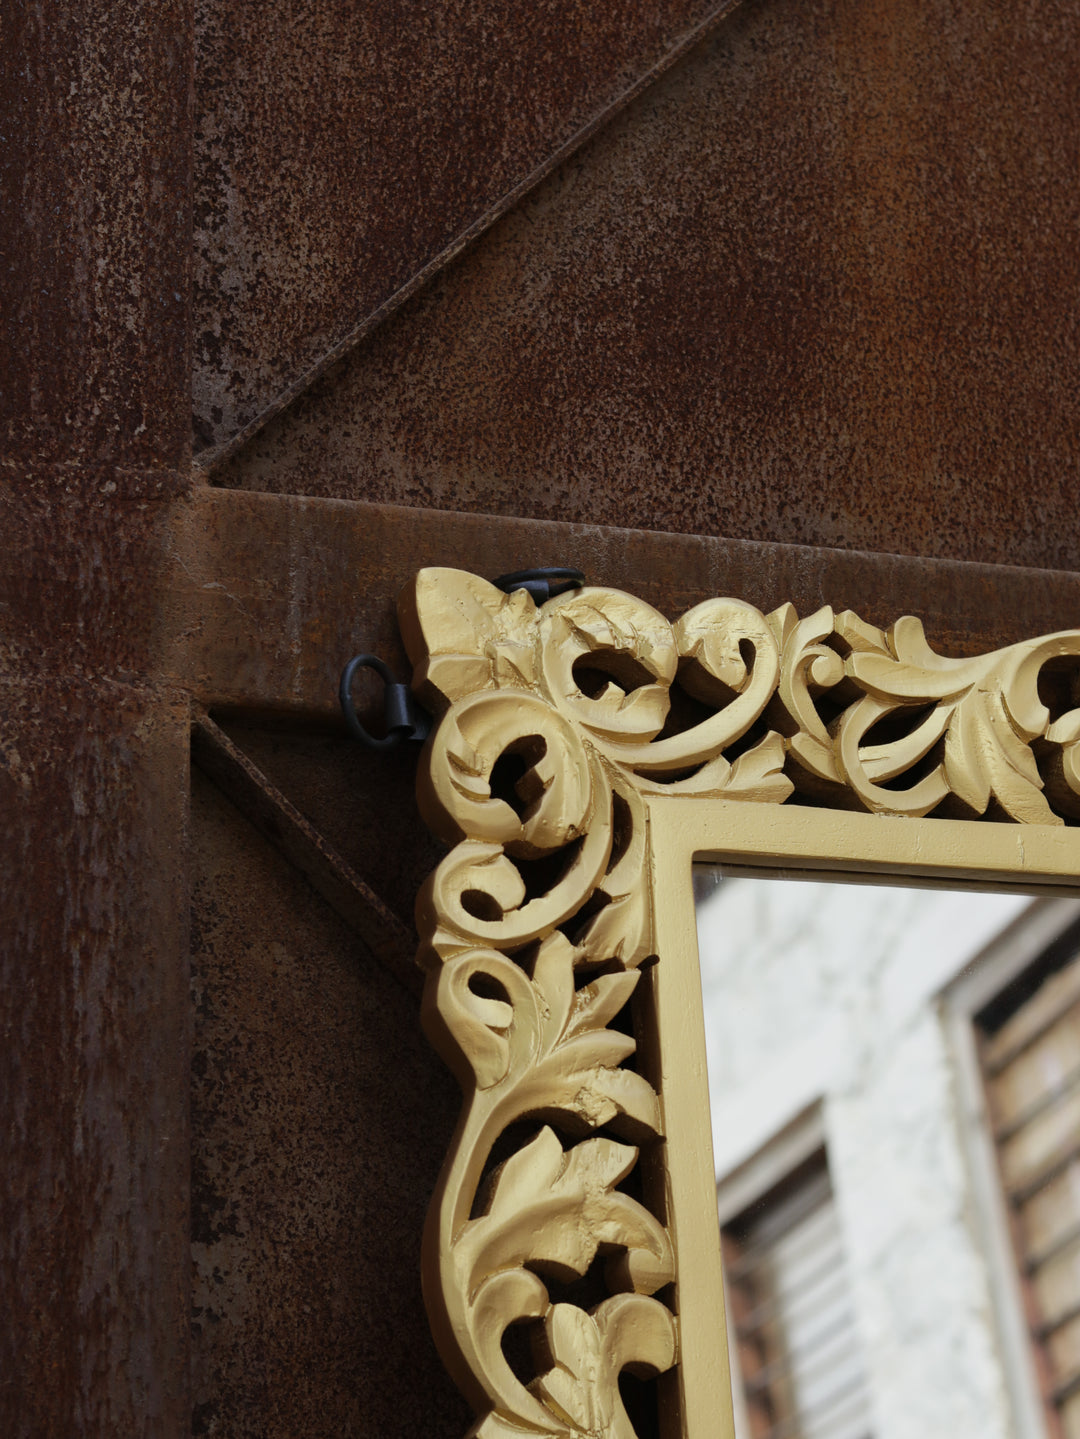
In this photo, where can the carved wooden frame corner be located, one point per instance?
(626, 745)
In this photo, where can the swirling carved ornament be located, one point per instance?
(555, 726)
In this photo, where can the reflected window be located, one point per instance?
(1030, 1052)
(839, 1022)
(797, 1356)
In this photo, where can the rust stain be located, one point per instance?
(306, 845)
(339, 151)
(817, 286)
(310, 1086)
(93, 1060)
(94, 308)
(82, 587)
(94, 413)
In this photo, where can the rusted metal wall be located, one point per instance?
(94, 1021)
(320, 1115)
(94, 304)
(93, 1060)
(342, 148)
(819, 285)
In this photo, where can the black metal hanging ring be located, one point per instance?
(541, 584)
(404, 719)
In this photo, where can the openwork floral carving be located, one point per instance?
(556, 725)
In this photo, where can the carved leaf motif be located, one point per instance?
(984, 757)
(622, 930)
(711, 637)
(570, 1012)
(807, 666)
(464, 635)
(616, 628)
(758, 775)
(587, 1353)
(477, 1033)
(859, 636)
(576, 1069)
(540, 1046)
(544, 1046)
(1065, 770)
(579, 1386)
(626, 638)
(987, 709)
(557, 787)
(581, 1073)
(552, 1208)
(476, 897)
(536, 1045)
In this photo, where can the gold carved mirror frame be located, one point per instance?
(586, 752)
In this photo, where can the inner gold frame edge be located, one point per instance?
(681, 831)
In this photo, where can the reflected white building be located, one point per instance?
(895, 1089)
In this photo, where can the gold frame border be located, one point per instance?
(551, 906)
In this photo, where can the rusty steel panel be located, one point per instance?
(319, 1122)
(306, 845)
(95, 180)
(819, 285)
(270, 595)
(339, 787)
(82, 586)
(94, 1256)
(341, 148)
(95, 102)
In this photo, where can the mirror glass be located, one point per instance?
(895, 1088)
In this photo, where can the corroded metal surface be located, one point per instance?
(82, 588)
(306, 847)
(311, 1088)
(341, 148)
(249, 600)
(329, 777)
(94, 1258)
(269, 593)
(95, 165)
(819, 285)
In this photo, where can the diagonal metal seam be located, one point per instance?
(279, 821)
(209, 461)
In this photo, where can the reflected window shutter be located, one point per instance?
(1031, 1064)
(794, 1338)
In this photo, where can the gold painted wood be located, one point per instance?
(586, 750)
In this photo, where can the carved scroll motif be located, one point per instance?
(555, 726)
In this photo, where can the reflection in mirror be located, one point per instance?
(895, 1087)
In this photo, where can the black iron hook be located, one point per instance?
(402, 716)
(541, 584)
